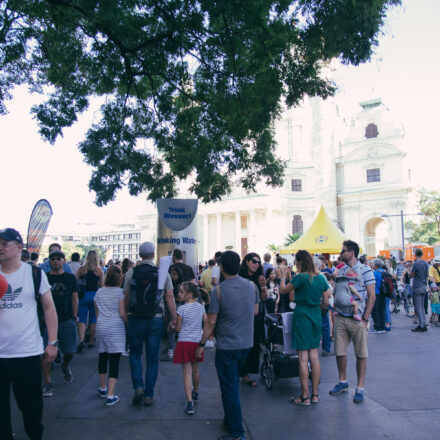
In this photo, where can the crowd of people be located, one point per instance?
(60, 308)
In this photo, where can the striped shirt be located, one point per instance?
(192, 319)
(360, 286)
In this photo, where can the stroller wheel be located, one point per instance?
(269, 377)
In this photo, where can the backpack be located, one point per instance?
(343, 295)
(36, 278)
(387, 287)
(145, 296)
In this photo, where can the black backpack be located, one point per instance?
(387, 287)
(144, 293)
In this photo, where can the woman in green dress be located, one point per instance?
(309, 290)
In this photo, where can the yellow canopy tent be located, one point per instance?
(323, 237)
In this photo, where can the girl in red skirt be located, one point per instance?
(190, 317)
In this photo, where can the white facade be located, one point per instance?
(327, 162)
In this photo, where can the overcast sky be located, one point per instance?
(405, 73)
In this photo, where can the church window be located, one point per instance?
(297, 225)
(296, 185)
(373, 175)
(371, 131)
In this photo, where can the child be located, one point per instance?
(110, 332)
(351, 273)
(190, 317)
(435, 304)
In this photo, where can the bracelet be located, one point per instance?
(363, 319)
(201, 345)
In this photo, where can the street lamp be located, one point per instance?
(401, 215)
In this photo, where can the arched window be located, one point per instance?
(297, 225)
(371, 131)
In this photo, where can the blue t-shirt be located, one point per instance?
(378, 277)
(46, 267)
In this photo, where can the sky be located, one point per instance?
(404, 72)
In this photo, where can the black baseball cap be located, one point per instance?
(10, 234)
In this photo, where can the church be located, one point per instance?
(355, 167)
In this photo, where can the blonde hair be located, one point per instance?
(92, 261)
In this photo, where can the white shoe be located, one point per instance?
(209, 344)
(170, 354)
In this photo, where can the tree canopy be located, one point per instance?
(428, 230)
(190, 88)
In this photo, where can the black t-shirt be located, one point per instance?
(62, 287)
(186, 271)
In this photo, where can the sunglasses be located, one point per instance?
(255, 261)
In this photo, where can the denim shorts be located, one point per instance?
(67, 332)
(435, 308)
(86, 308)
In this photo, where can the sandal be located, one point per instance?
(250, 383)
(315, 398)
(303, 400)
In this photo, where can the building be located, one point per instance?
(357, 170)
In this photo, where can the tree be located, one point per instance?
(291, 238)
(190, 88)
(428, 231)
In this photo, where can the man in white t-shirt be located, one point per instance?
(21, 344)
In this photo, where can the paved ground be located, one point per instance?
(402, 400)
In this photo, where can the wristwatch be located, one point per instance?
(201, 345)
(54, 343)
(363, 319)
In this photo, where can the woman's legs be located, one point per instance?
(187, 380)
(303, 358)
(81, 331)
(113, 372)
(102, 370)
(92, 332)
(316, 369)
(195, 376)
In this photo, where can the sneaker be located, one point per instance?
(195, 396)
(358, 396)
(48, 390)
(417, 329)
(339, 388)
(424, 329)
(112, 400)
(102, 393)
(80, 347)
(138, 396)
(189, 408)
(170, 354)
(68, 376)
(148, 401)
(209, 344)
(388, 329)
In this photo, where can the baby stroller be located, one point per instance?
(280, 360)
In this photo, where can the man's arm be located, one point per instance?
(169, 298)
(75, 304)
(207, 330)
(51, 320)
(371, 292)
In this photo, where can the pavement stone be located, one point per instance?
(402, 399)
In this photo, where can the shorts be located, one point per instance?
(186, 352)
(87, 307)
(67, 332)
(435, 308)
(346, 330)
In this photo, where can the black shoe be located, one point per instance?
(80, 347)
(138, 396)
(424, 329)
(417, 329)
